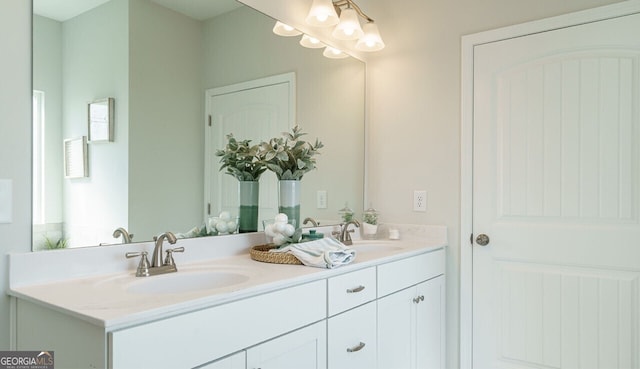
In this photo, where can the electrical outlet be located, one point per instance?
(321, 199)
(419, 200)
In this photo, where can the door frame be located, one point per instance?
(288, 78)
(466, 141)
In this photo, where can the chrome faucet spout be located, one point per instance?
(157, 251)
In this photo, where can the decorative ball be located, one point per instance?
(269, 231)
(280, 227)
(226, 216)
(278, 239)
(289, 230)
(222, 227)
(231, 226)
(281, 218)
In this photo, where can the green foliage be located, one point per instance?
(288, 156)
(241, 160)
(370, 218)
(49, 244)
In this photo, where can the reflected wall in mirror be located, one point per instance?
(157, 64)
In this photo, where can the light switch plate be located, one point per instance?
(321, 199)
(6, 194)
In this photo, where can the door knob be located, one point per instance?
(482, 239)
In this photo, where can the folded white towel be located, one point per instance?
(323, 253)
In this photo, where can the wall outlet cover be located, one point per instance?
(420, 200)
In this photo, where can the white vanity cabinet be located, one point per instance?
(411, 320)
(382, 313)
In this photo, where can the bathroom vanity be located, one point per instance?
(224, 310)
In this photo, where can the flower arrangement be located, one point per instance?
(241, 160)
(288, 156)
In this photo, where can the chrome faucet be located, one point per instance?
(345, 233)
(157, 266)
(310, 220)
(126, 237)
(156, 260)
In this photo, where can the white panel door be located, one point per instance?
(256, 110)
(556, 189)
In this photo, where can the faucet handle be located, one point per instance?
(143, 266)
(168, 260)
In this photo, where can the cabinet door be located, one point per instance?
(352, 339)
(430, 323)
(396, 330)
(304, 348)
(236, 361)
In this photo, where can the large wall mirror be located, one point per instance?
(156, 62)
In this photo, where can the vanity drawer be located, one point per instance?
(350, 290)
(352, 342)
(404, 273)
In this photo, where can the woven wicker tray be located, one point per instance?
(261, 253)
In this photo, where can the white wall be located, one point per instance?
(15, 130)
(413, 88)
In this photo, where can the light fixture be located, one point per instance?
(349, 26)
(333, 53)
(370, 40)
(311, 42)
(282, 29)
(348, 34)
(322, 14)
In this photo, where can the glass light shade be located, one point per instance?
(349, 26)
(322, 14)
(333, 53)
(371, 40)
(311, 42)
(282, 29)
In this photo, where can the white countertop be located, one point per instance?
(105, 298)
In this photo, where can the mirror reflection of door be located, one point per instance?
(256, 110)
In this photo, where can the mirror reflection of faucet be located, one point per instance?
(126, 237)
(157, 265)
(344, 235)
(310, 220)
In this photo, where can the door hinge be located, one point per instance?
(208, 208)
(209, 120)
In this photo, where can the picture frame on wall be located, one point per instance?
(100, 117)
(75, 158)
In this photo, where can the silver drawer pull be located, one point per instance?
(357, 348)
(418, 299)
(354, 290)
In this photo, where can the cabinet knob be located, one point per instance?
(355, 290)
(356, 348)
(418, 299)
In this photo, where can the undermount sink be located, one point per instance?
(374, 246)
(186, 281)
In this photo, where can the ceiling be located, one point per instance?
(62, 10)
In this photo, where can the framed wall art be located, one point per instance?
(101, 114)
(75, 158)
